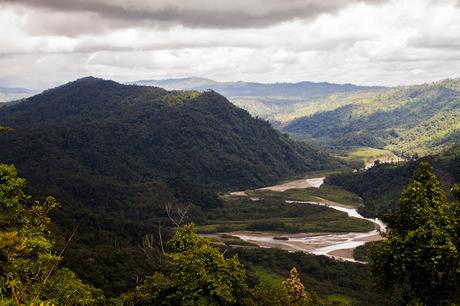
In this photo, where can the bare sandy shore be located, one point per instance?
(343, 253)
(297, 184)
(339, 246)
(238, 194)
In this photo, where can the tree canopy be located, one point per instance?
(420, 257)
(28, 264)
(197, 274)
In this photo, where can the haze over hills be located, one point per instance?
(260, 99)
(115, 154)
(11, 93)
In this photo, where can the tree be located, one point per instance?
(420, 257)
(198, 274)
(28, 265)
(296, 290)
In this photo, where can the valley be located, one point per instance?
(229, 153)
(335, 245)
(127, 162)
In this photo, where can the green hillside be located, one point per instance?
(409, 120)
(381, 186)
(115, 154)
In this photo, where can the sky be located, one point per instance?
(44, 43)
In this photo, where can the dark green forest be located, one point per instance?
(114, 155)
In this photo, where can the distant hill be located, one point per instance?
(260, 99)
(10, 93)
(422, 119)
(115, 154)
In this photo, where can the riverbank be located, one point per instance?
(335, 245)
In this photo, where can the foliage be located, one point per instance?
(290, 292)
(27, 262)
(5, 129)
(380, 187)
(116, 153)
(296, 290)
(198, 275)
(420, 253)
(420, 119)
(65, 288)
(321, 275)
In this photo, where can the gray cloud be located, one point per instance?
(194, 13)
(47, 42)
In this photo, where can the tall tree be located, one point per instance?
(297, 296)
(420, 257)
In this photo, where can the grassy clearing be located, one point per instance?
(367, 155)
(339, 300)
(230, 240)
(267, 277)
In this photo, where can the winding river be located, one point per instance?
(336, 245)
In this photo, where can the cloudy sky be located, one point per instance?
(382, 42)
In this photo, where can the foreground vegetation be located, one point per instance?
(188, 270)
(420, 259)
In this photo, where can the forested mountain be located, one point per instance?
(260, 99)
(410, 120)
(115, 154)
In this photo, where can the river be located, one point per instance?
(336, 245)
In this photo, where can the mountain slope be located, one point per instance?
(163, 133)
(115, 154)
(416, 119)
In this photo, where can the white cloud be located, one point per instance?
(395, 42)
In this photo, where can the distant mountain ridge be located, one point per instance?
(14, 93)
(15, 90)
(234, 89)
(263, 100)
